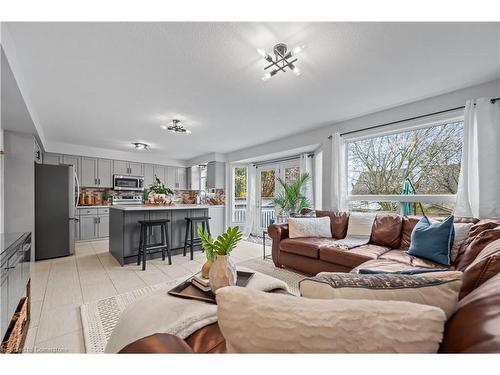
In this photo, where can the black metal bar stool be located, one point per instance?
(190, 223)
(145, 247)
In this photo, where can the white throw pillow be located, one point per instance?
(309, 227)
(439, 289)
(257, 322)
(360, 224)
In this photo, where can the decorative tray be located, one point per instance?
(189, 291)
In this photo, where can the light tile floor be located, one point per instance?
(59, 286)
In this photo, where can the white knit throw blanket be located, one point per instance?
(359, 230)
(160, 312)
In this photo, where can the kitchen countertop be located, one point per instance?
(101, 206)
(142, 207)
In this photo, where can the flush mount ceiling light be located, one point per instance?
(140, 145)
(177, 127)
(282, 60)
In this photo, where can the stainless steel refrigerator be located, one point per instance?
(56, 197)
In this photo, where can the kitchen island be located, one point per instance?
(124, 227)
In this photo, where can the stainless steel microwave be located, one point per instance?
(130, 183)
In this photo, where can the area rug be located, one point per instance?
(100, 317)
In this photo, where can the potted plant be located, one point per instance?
(159, 191)
(291, 198)
(222, 270)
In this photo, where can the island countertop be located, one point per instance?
(144, 207)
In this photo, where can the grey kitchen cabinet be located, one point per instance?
(120, 167)
(74, 161)
(181, 178)
(96, 172)
(159, 171)
(77, 227)
(88, 227)
(148, 175)
(105, 172)
(53, 159)
(88, 172)
(103, 226)
(216, 175)
(127, 168)
(171, 177)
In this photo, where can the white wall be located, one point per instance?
(320, 135)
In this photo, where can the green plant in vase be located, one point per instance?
(159, 190)
(219, 268)
(291, 198)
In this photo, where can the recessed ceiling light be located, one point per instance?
(164, 127)
(177, 127)
(140, 145)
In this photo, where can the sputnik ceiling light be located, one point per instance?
(282, 60)
(176, 127)
(140, 145)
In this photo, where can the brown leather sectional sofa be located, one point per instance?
(475, 326)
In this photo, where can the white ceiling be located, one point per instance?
(108, 84)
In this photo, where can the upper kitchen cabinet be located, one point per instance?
(149, 174)
(171, 177)
(96, 172)
(53, 159)
(181, 178)
(125, 168)
(216, 175)
(159, 171)
(74, 161)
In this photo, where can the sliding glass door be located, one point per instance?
(268, 187)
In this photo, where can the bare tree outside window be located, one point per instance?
(429, 157)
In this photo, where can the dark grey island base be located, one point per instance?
(124, 229)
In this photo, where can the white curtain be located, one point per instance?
(338, 181)
(251, 201)
(478, 193)
(306, 166)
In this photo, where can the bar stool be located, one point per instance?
(190, 223)
(145, 246)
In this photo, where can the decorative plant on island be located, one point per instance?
(221, 269)
(159, 191)
(291, 198)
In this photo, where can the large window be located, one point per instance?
(428, 159)
(240, 194)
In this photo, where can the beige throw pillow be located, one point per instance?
(309, 227)
(439, 289)
(257, 322)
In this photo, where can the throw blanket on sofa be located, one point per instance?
(359, 230)
(160, 312)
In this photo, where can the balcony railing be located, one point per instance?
(267, 214)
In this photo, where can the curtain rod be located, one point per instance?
(256, 164)
(492, 101)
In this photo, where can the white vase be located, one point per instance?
(222, 272)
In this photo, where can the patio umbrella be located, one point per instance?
(408, 189)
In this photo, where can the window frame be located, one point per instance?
(389, 130)
(233, 191)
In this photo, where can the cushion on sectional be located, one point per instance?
(350, 257)
(305, 246)
(258, 322)
(381, 265)
(433, 240)
(461, 234)
(309, 227)
(439, 289)
(386, 230)
(473, 249)
(409, 223)
(338, 222)
(484, 267)
(413, 261)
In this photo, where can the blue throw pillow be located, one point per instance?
(433, 241)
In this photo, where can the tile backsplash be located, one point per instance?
(94, 196)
